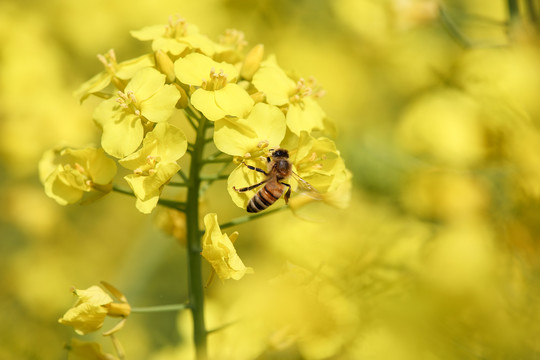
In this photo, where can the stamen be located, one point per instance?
(79, 168)
(131, 96)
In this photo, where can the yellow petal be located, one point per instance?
(205, 102)
(145, 83)
(273, 82)
(305, 117)
(61, 192)
(194, 68)
(234, 100)
(265, 124)
(161, 105)
(219, 251)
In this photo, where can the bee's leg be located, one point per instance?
(249, 187)
(255, 168)
(287, 194)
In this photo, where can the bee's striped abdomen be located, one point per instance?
(265, 197)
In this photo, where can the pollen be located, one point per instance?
(79, 168)
(305, 89)
(176, 28)
(109, 61)
(129, 102)
(217, 80)
(263, 144)
(234, 38)
(152, 160)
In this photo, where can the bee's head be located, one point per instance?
(280, 153)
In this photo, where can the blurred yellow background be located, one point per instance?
(436, 258)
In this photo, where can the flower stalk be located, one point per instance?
(193, 249)
(225, 109)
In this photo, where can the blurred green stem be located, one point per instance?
(195, 280)
(160, 308)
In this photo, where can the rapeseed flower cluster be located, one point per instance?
(151, 106)
(255, 106)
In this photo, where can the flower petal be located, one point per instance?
(171, 142)
(273, 82)
(149, 32)
(194, 68)
(97, 83)
(234, 100)
(128, 68)
(168, 45)
(219, 251)
(145, 83)
(160, 106)
(305, 117)
(61, 192)
(122, 137)
(237, 137)
(205, 102)
(241, 177)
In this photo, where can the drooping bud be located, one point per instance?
(252, 62)
(183, 101)
(258, 97)
(165, 65)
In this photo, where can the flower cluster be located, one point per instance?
(253, 103)
(159, 107)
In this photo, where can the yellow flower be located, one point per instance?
(91, 308)
(176, 37)
(265, 124)
(298, 98)
(154, 164)
(315, 160)
(146, 98)
(68, 174)
(217, 94)
(219, 251)
(114, 72)
(230, 46)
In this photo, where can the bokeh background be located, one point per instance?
(437, 117)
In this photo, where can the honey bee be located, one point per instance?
(279, 170)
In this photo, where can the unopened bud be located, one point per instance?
(258, 97)
(252, 62)
(165, 65)
(183, 101)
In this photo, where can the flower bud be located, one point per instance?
(258, 97)
(165, 65)
(183, 101)
(252, 62)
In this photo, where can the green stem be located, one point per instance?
(172, 204)
(160, 308)
(214, 177)
(177, 184)
(218, 161)
(195, 280)
(245, 219)
(183, 176)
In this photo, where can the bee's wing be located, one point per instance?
(306, 187)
